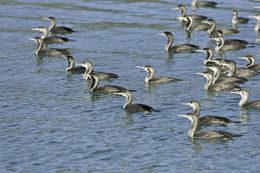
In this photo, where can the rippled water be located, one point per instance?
(50, 122)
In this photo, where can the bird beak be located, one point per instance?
(256, 6)
(200, 74)
(45, 18)
(252, 17)
(31, 39)
(242, 57)
(185, 103)
(140, 67)
(182, 18)
(234, 92)
(118, 94)
(64, 56)
(182, 116)
(201, 51)
(175, 8)
(162, 34)
(35, 29)
(207, 22)
(212, 38)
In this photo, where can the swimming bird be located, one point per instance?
(214, 31)
(71, 65)
(231, 41)
(224, 79)
(195, 17)
(209, 86)
(234, 71)
(181, 48)
(251, 65)
(221, 45)
(102, 75)
(209, 54)
(107, 89)
(207, 120)
(238, 20)
(150, 77)
(190, 27)
(195, 133)
(57, 29)
(196, 4)
(257, 26)
(47, 51)
(51, 39)
(244, 97)
(133, 107)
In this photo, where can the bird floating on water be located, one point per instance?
(195, 133)
(251, 65)
(196, 3)
(133, 107)
(181, 48)
(195, 17)
(150, 79)
(51, 39)
(107, 89)
(71, 65)
(208, 120)
(57, 29)
(40, 51)
(244, 98)
(102, 75)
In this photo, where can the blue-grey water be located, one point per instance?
(50, 122)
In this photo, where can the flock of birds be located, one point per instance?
(221, 74)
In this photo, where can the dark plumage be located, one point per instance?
(208, 120)
(71, 65)
(251, 65)
(107, 89)
(195, 133)
(244, 97)
(150, 77)
(102, 75)
(183, 14)
(182, 48)
(57, 29)
(196, 4)
(133, 107)
(47, 51)
(51, 39)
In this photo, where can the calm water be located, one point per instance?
(49, 122)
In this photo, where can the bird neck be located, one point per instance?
(251, 62)
(128, 101)
(39, 48)
(169, 43)
(212, 27)
(196, 109)
(208, 83)
(234, 19)
(193, 127)
(183, 12)
(216, 75)
(95, 82)
(150, 75)
(53, 24)
(188, 25)
(194, 3)
(88, 70)
(208, 58)
(71, 63)
(220, 43)
(44, 34)
(244, 98)
(257, 27)
(232, 70)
